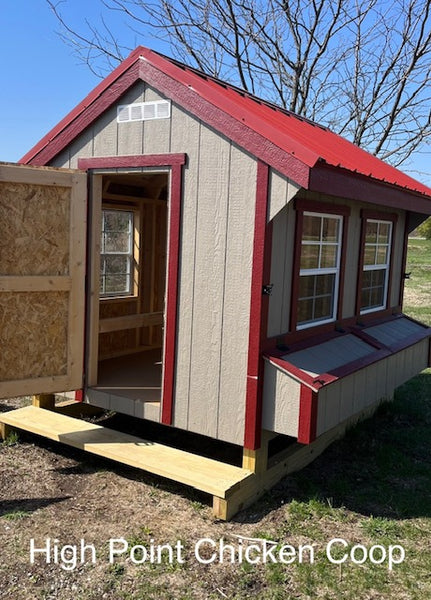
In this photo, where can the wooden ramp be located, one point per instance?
(205, 474)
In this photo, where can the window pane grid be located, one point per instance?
(116, 262)
(378, 238)
(319, 268)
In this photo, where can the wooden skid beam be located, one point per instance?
(44, 401)
(288, 461)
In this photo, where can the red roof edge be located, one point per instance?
(88, 101)
(366, 188)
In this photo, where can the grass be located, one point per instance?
(418, 288)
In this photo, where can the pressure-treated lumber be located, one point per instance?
(293, 459)
(5, 431)
(44, 401)
(208, 475)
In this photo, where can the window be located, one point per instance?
(319, 268)
(376, 263)
(116, 264)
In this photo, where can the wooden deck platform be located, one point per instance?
(207, 475)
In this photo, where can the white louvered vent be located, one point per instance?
(144, 111)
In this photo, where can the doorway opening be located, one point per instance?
(130, 216)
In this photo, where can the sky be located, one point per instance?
(42, 80)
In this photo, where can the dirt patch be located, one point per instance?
(49, 491)
(357, 491)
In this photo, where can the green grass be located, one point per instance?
(417, 297)
(15, 515)
(11, 440)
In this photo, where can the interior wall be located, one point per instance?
(150, 240)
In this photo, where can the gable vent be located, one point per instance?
(144, 111)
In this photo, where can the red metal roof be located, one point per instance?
(312, 145)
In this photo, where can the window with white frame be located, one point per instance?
(375, 273)
(319, 268)
(116, 260)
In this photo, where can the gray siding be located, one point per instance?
(281, 395)
(215, 259)
(283, 238)
(369, 386)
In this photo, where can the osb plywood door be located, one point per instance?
(42, 271)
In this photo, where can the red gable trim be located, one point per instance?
(231, 127)
(91, 106)
(312, 156)
(135, 68)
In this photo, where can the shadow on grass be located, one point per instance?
(381, 468)
(14, 509)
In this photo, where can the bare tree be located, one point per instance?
(362, 67)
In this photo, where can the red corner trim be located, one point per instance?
(307, 427)
(258, 315)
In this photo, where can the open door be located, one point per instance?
(42, 279)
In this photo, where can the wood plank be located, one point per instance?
(202, 473)
(105, 134)
(44, 401)
(38, 385)
(130, 322)
(35, 283)
(281, 192)
(94, 249)
(77, 270)
(49, 176)
(277, 299)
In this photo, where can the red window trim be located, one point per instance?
(175, 163)
(303, 205)
(377, 216)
